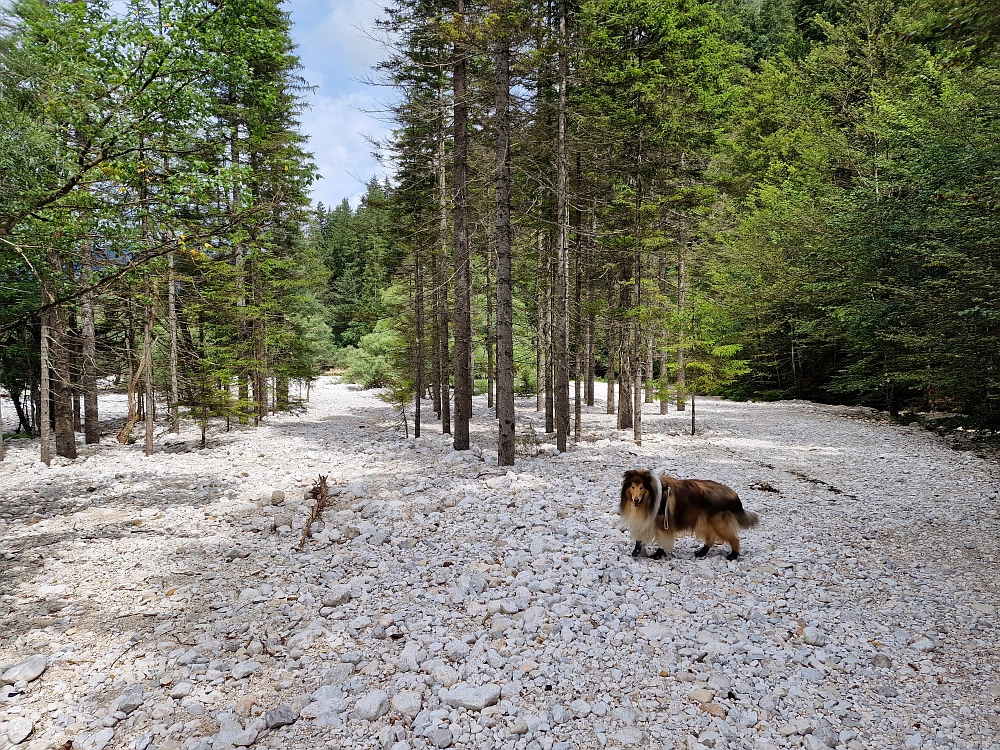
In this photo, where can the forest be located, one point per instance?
(664, 198)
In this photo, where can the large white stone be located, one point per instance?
(471, 698)
(28, 670)
(372, 705)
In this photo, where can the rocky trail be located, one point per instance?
(162, 603)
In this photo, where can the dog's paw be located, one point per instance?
(733, 556)
(659, 554)
(703, 551)
(637, 549)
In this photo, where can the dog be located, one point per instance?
(658, 508)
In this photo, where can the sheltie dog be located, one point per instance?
(658, 508)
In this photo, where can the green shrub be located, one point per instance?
(373, 363)
(524, 380)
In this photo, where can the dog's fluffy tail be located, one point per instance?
(746, 519)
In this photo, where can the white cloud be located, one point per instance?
(337, 48)
(337, 127)
(341, 33)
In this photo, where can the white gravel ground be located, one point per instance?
(446, 602)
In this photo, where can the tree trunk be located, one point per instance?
(649, 370)
(663, 383)
(579, 327)
(591, 313)
(88, 371)
(490, 336)
(76, 358)
(175, 420)
(549, 364)
(681, 308)
(505, 306)
(611, 367)
(625, 386)
(463, 261)
(418, 353)
(441, 280)
(133, 383)
(637, 334)
(43, 419)
(579, 351)
(541, 361)
(562, 249)
(692, 413)
(147, 348)
(24, 418)
(62, 393)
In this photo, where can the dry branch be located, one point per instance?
(320, 497)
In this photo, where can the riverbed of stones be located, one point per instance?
(164, 602)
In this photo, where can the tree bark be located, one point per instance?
(611, 366)
(549, 389)
(44, 427)
(418, 353)
(649, 370)
(505, 306)
(541, 361)
(490, 335)
(681, 309)
(147, 348)
(175, 421)
(62, 393)
(579, 348)
(562, 249)
(663, 383)
(591, 313)
(625, 385)
(463, 261)
(88, 373)
(133, 383)
(441, 278)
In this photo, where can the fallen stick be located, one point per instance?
(320, 498)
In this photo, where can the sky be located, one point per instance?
(337, 50)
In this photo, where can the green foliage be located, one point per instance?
(361, 255)
(379, 358)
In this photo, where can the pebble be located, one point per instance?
(481, 602)
(440, 737)
(96, 741)
(471, 698)
(280, 717)
(19, 729)
(813, 636)
(372, 705)
(407, 702)
(233, 734)
(246, 668)
(28, 670)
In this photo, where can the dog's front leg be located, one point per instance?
(637, 549)
(659, 554)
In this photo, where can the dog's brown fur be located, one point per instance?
(710, 511)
